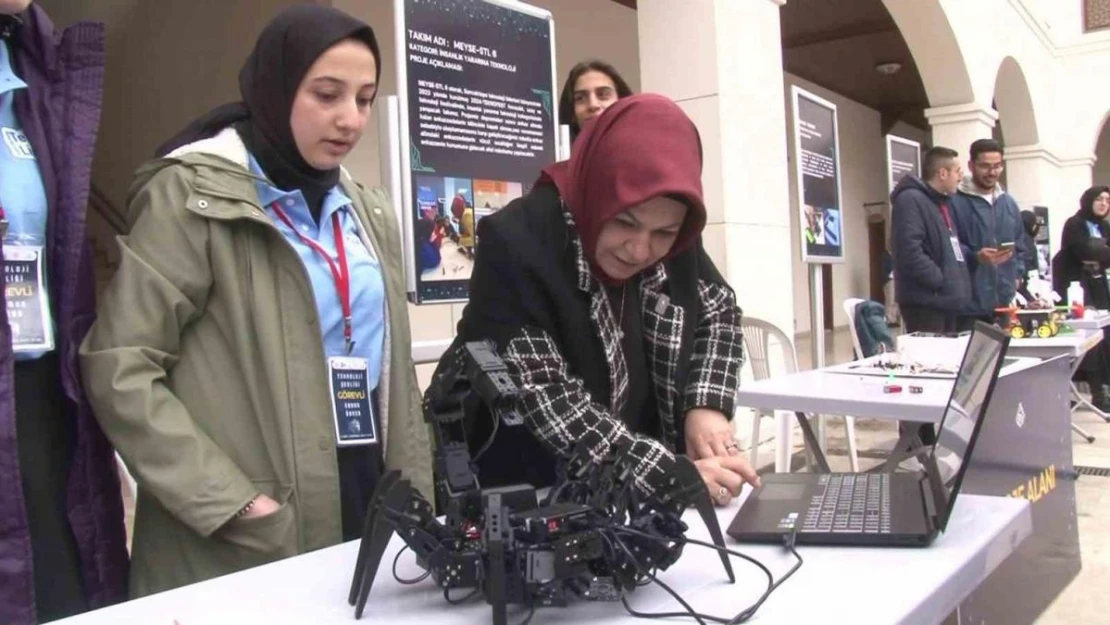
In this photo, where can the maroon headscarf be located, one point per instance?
(640, 148)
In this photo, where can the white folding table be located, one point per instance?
(863, 586)
(863, 396)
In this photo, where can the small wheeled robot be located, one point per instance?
(1021, 323)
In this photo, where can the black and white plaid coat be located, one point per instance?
(533, 294)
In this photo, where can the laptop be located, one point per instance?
(883, 509)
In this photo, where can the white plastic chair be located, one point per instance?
(850, 306)
(757, 347)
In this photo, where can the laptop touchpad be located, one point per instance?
(782, 492)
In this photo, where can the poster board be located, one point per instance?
(817, 170)
(478, 122)
(1044, 245)
(903, 157)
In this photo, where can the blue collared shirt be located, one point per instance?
(22, 192)
(367, 286)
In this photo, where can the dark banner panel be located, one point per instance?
(818, 171)
(903, 157)
(481, 124)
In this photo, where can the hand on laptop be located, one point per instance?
(725, 476)
(708, 434)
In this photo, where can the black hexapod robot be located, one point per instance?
(593, 536)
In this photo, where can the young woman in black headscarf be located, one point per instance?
(1084, 257)
(252, 357)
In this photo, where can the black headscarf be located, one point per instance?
(268, 82)
(1087, 203)
(1029, 221)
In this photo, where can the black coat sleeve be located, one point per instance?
(718, 352)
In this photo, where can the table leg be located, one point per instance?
(1080, 431)
(1082, 402)
(811, 442)
(784, 441)
(909, 445)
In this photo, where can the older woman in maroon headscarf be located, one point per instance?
(614, 323)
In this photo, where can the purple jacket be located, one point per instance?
(60, 113)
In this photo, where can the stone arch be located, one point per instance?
(1014, 103)
(1101, 150)
(936, 51)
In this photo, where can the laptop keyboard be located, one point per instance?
(851, 503)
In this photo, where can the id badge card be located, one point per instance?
(352, 405)
(28, 306)
(956, 249)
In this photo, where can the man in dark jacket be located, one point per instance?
(930, 275)
(991, 233)
(931, 280)
(62, 541)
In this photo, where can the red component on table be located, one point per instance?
(892, 388)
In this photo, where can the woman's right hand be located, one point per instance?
(263, 506)
(724, 476)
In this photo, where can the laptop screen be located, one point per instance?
(970, 393)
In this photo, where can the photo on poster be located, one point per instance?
(441, 207)
(818, 178)
(478, 123)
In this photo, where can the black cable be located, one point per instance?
(489, 441)
(743, 616)
(624, 599)
(531, 613)
(702, 543)
(448, 599)
(407, 582)
(750, 612)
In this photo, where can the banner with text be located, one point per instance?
(818, 174)
(902, 157)
(478, 124)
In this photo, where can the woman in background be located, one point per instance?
(1084, 258)
(591, 87)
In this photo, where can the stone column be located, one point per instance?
(1031, 173)
(957, 126)
(721, 60)
(1074, 176)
